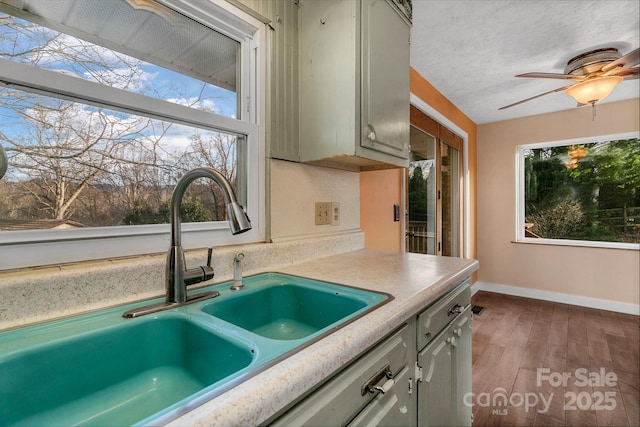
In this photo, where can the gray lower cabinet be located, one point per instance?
(445, 365)
(444, 360)
(351, 397)
(462, 365)
(418, 375)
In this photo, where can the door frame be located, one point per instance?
(421, 105)
(454, 142)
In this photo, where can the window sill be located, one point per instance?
(54, 247)
(580, 243)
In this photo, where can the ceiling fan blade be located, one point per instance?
(534, 97)
(551, 76)
(628, 73)
(629, 60)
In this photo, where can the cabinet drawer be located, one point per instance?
(390, 409)
(339, 400)
(436, 317)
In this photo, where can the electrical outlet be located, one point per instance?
(322, 213)
(335, 213)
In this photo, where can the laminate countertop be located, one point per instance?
(414, 280)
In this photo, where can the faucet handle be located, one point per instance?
(200, 274)
(207, 270)
(209, 253)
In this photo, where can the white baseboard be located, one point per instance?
(600, 304)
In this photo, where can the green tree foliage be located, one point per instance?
(143, 213)
(546, 179)
(615, 168)
(586, 192)
(191, 210)
(417, 196)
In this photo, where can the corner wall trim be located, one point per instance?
(600, 304)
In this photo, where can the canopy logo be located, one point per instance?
(590, 399)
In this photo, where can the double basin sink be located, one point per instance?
(102, 369)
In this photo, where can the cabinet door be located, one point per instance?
(385, 79)
(462, 364)
(393, 408)
(435, 391)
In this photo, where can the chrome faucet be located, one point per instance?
(177, 276)
(176, 273)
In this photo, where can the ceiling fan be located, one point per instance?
(596, 73)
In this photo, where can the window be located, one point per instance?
(104, 105)
(580, 192)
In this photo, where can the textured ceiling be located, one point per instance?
(470, 50)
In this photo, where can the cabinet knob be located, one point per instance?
(371, 133)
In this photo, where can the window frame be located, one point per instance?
(520, 194)
(22, 249)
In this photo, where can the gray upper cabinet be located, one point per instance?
(354, 84)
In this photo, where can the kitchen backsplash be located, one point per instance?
(40, 294)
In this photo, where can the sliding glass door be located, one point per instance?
(421, 194)
(434, 188)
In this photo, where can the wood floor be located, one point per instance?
(553, 364)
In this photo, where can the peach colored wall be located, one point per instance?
(379, 191)
(605, 274)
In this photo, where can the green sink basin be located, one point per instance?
(290, 308)
(101, 369)
(117, 376)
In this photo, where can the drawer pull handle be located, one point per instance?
(385, 387)
(372, 386)
(456, 309)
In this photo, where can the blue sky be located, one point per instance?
(106, 65)
(98, 63)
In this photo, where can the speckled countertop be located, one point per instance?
(414, 280)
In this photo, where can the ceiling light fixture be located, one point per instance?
(593, 90)
(596, 73)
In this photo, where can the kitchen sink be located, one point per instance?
(284, 308)
(101, 369)
(115, 376)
